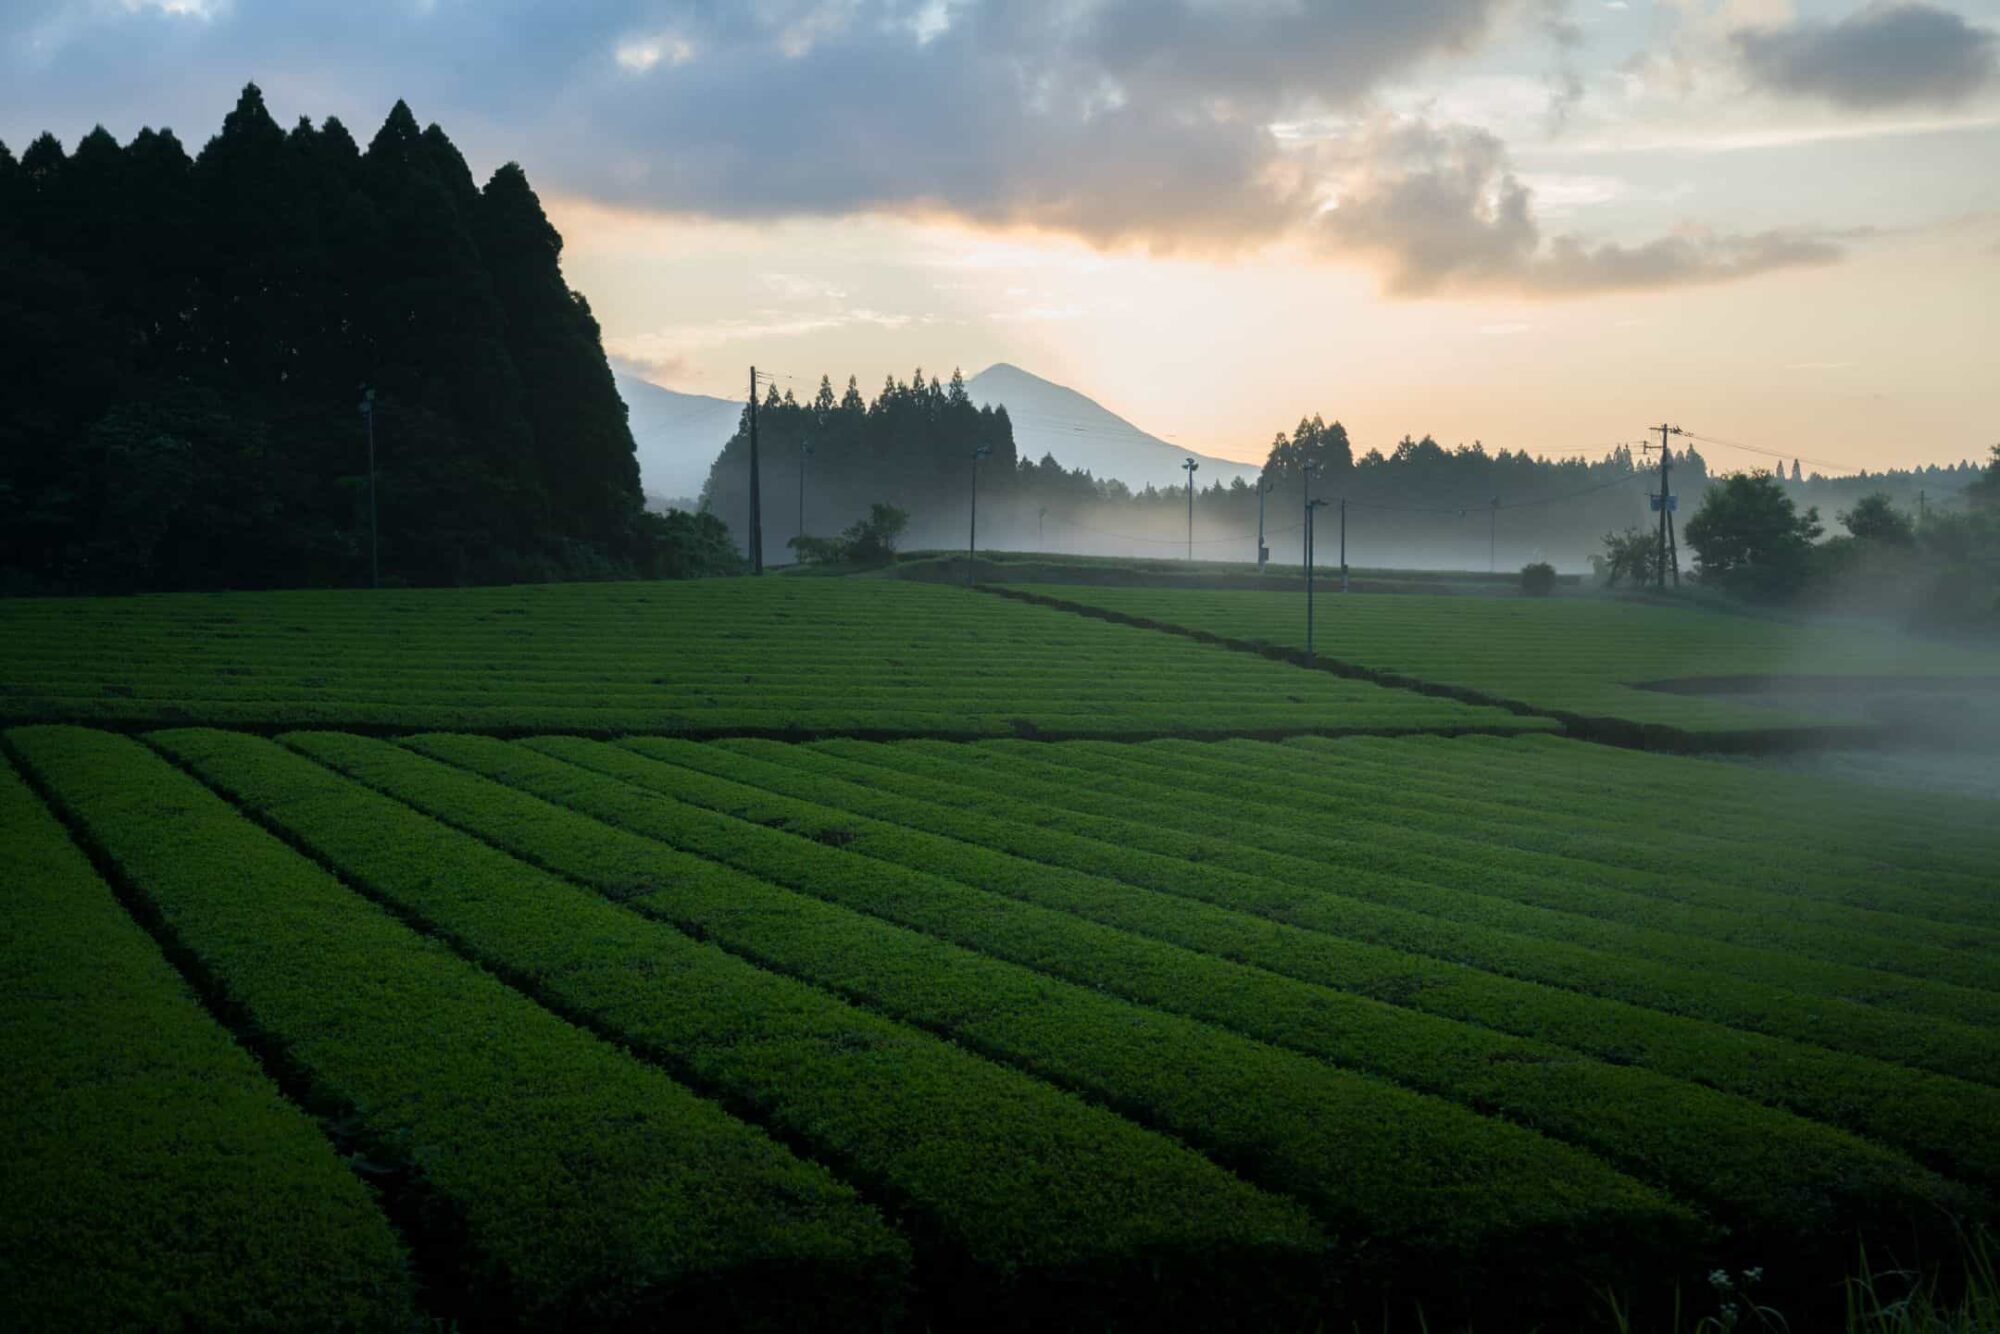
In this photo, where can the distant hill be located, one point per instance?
(1051, 419)
(678, 435)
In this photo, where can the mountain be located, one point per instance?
(1051, 419)
(678, 436)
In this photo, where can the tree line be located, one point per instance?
(190, 338)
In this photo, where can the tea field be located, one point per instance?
(702, 657)
(844, 954)
(1579, 658)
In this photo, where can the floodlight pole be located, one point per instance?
(374, 540)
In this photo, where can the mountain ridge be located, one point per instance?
(1054, 419)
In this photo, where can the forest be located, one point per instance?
(192, 339)
(826, 460)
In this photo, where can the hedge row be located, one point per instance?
(1733, 1157)
(1948, 1122)
(1574, 654)
(1646, 1124)
(820, 655)
(558, 1181)
(1872, 830)
(1016, 1193)
(1326, 816)
(1148, 848)
(1415, 1176)
(155, 1177)
(1724, 889)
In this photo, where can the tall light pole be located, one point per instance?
(1190, 465)
(374, 545)
(972, 535)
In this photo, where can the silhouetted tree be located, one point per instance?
(1874, 519)
(187, 339)
(1749, 538)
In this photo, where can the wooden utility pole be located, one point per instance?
(756, 497)
(1664, 502)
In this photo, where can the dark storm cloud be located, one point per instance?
(1885, 55)
(1445, 210)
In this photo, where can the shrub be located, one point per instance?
(1538, 579)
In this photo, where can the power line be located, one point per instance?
(1771, 453)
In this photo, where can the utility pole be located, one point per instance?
(374, 545)
(1311, 505)
(756, 497)
(1492, 534)
(1041, 512)
(805, 452)
(1664, 503)
(1343, 544)
(972, 536)
(1263, 552)
(1306, 482)
(1190, 465)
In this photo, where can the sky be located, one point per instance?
(1540, 224)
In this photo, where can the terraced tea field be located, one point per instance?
(1578, 657)
(817, 1014)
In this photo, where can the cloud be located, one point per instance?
(1173, 124)
(1116, 120)
(1444, 210)
(1882, 56)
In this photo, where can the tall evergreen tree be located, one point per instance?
(583, 447)
(192, 336)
